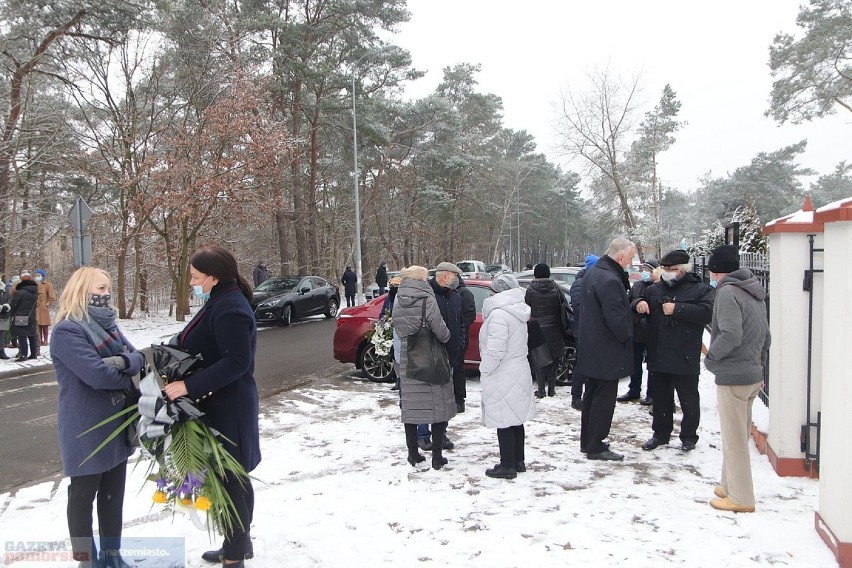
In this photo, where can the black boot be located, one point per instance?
(218, 556)
(539, 377)
(439, 431)
(414, 455)
(551, 384)
(506, 468)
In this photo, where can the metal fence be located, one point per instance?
(758, 263)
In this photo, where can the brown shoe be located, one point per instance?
(720, 492)
(725, 504)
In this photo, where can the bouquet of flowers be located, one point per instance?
(189, 458)
(382, 337)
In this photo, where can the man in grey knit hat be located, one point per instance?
(739, 341)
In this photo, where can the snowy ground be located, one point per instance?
(334, 489)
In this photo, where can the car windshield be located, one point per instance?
(466, 266)
(493, 267)
(282, 284)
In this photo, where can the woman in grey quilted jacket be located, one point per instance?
(421, 402)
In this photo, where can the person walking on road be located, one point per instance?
(739, 346)
(382, 277)
(605, 351)
(350, 285)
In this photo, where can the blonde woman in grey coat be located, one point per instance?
(421, 403)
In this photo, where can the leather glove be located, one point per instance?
(135, 362)
(116, 362)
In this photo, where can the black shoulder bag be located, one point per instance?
(427, 359)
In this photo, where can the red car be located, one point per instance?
(355, 323)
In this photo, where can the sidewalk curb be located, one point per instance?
(21, 371)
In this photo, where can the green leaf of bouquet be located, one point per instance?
(111, 418)
(115, 433)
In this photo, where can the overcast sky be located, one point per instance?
(714, 55)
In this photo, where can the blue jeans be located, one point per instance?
(423, 431)
(635, 387)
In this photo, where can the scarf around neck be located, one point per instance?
(102, 329)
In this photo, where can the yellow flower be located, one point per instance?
(186, 501)
(202, 503)
(159, 497)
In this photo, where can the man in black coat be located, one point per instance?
(350, 285)
(382, 277)
(605, 349)
(444, 286)
(679, 307)
(260, 274)
(468, 314)
(576, 292)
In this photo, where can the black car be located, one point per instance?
(284, 298)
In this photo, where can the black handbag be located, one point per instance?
(427, 359)
(538, 351)
(565, 312)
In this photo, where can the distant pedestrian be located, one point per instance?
(23, 308)
(545, 301)
(678, 309)
(46, 298)
(350, 285)
(5, 320)
(576, 292)
(739, 344)
(507, 392)
(382, 277)
(260, 274)
(605, 351)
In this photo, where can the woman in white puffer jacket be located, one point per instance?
(507, 389)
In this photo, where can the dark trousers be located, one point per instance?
(22, 346)
(546, 377)
(459, 384)
(665, 385)
(635, 387)
(242, 494)
(350, 300)
(109, 489)
(577, 382)
(511, 441)
(596, 416)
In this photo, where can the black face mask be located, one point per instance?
(99, 300)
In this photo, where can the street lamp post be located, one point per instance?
(358, 267)
(359, 298)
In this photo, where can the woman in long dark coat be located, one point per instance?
(24, 304)
(225, 333)
(94, 364)
(543, 298)
(422, 403)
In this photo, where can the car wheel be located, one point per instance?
(565, 365)
(378, 369)
(332, 308)
(287, 315)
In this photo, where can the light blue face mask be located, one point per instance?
(199, 292)
(646, 276)
(713, 283)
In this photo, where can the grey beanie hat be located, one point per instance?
(503, 282)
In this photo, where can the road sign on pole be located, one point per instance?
(80, 215)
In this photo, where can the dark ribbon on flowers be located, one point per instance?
(159, 414)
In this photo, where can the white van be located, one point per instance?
(473, 269)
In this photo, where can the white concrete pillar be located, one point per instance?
(834, 518)
(789, 254)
